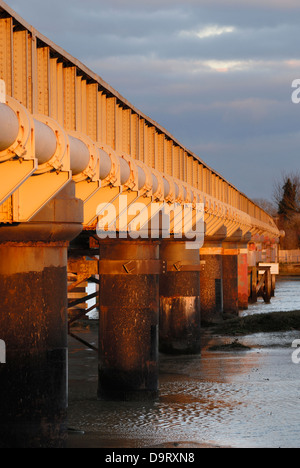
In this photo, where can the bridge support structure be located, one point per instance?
(211, 277)
(179, 289)
(211, 282)
(230, 277)
(128, 319)
(33, 324)
(243, 280)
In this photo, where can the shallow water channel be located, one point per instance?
(246, 398)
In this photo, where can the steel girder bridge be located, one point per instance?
(83, 179)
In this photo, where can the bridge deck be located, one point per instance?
(50, 82)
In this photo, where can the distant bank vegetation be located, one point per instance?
(258, 323)
(285, 208)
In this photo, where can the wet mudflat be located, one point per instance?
(240, 396)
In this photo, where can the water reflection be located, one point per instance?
(239, 399)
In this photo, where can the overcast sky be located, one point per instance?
(217, 74)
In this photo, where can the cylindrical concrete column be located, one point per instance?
(33, 388)
(243, 289)
(268, 286)
(128, 320)
(230, 278)
(273, 280)
(33, 325)
(253, 284)
(180, 321)
(211, 282)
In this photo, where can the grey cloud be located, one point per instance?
(104, 29)
(255, 165)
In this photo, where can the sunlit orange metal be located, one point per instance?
(48, 81)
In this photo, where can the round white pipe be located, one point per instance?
(154, 183)
(45, 142)
(79, 155)
(167, 188)
(105, 164)
(141, 178)
(191, 195)
(9, 127)
(125, 171)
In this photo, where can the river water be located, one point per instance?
(225, 399)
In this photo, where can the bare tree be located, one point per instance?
(286, 196)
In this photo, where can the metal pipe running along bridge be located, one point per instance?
(82, 174)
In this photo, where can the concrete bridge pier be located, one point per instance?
(211, 277)
(179, 321)
(243, 286)
(211, 282)
(33, 324)
(128, 319)
(230, 274)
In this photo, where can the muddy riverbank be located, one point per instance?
(246, 396)
(258, 323)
